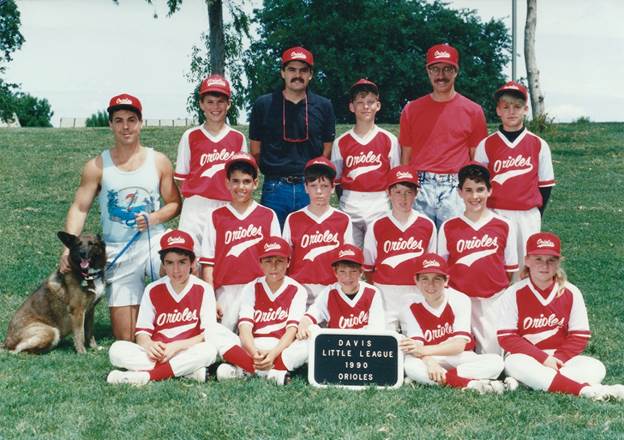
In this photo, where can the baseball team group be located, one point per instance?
(437, 237)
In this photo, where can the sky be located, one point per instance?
(79, 53)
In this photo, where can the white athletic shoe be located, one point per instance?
(198, 375)
(615, 392)
(595, 392)
(498, 387)
(483, 386)
(511, 384)
(280, 377)
(137, 378)
(227, 372)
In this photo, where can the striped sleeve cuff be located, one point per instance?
(208, 261)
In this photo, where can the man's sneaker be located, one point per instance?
(227, 372)
(595, 392)
(498, 387)
(511, 384)
(137, 378)
(616, 392)
(481, 386)
(200, 375)
(280, 377)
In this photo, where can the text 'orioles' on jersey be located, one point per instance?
(362, 163)
(517, 169)
(231, 242)
(201, 161)
(314, 241)
(478, 254)
(269, 313)
(433, 326)
(532, 321)
(390, 247)
(363, 311)
(167, 316)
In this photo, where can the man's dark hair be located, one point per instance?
(184, 252)
(362, 89)
(475, 172)
(244, 168)
(347, 263)
(124, 107)
(316, 172)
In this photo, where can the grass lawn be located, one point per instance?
(64, 395)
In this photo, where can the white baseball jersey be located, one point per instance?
(270, 314)
(478, 254)
(333, 306)
(547, 320)
(390, 247)
(230, 242)
(517, 169)
(167, 316)
(314, 240)
(201, 161)
(362, 163)
(433, 326)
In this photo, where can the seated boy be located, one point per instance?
(175, 315)
(363, 156)
(520, 166)
(229, 254)
(394, 240)
(317, 230)
(202, 154)
(480, 247)
(271, 308)
(439, 344)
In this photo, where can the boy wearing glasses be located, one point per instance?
(438, 135)
(363, 156)
(286, 129)
(394, 241)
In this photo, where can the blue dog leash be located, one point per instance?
(134, 238)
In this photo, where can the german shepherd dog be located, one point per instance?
(64, 303)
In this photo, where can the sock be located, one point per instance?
(239, 357)
(161, 372)
(562, 384)
(455, 381)
(279, 364)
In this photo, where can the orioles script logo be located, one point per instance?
(441, 54)
(438, 332)
(278, 314)
(185, 315)
(175, 240)
(324, 242)
(477, 243)
(353, 321)
(542, 322)
(271, 247)
(541, 243)
(251, 231)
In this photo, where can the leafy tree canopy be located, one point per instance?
(383, 40)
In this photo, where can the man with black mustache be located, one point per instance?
(438, 135)
(287, 128)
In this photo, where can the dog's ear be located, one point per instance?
(68, 240)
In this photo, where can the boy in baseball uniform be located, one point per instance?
(394, 240)
(520, 166)
(317, 230)
(543, 328)
(439, 344)
(480, 248)
(176, 315)
(229, 252)
(202, 154)
(363, 156)
(271, 308)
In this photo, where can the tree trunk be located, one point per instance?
(537, 98)
(216, 36)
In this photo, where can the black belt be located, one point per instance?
(286, 179)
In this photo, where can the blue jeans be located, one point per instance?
(283, 197)
(438, 198)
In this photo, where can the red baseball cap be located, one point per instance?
(365, 85)
(430, 263)
(321, 161)
(274, 247)
(443, 53)
(513, 88)
(544, 243)
(349, 252)
(125, 102)
(402, 174)
(297, 53)
(215, 83)
(241, 157)
(176, 239)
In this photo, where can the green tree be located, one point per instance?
(98, 119)
(10, 40)
(383, 40)
(32, 111)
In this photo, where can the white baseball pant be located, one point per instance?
(229, 298)
(395, 299)
(469, 364)
(363, 208)
(484, 321)
(195, 215)
(526, 224)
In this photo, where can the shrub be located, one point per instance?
(32, 111)
(98, 119)
(542, 124)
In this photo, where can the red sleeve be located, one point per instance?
(479, 131)
(572, 346)
(517, 344)
(405, 138)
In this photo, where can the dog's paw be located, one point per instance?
(81, 350)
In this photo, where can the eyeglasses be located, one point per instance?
(447, 70)
(284, 136)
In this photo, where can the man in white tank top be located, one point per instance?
(129, 180)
